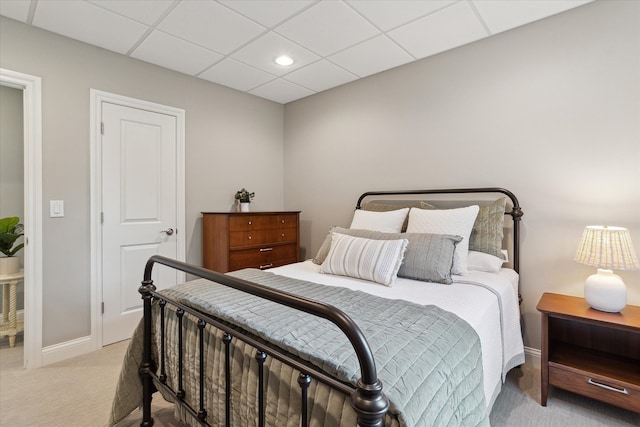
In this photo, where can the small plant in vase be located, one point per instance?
(244, 197)
(10, 231)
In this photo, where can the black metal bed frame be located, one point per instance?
(367, 398)
(515, 212)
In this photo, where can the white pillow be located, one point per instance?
(484, 262)
(385, 222)
(447, 221)
(374, 260)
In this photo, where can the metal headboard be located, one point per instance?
(516, 212)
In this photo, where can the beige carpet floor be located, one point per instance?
(79, 391)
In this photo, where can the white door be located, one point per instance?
(139, 206)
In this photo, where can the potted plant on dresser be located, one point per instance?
(244, 198)
(10, 231)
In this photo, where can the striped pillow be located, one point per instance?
(373, 260)
(428, 257)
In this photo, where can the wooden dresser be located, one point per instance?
(234, 240)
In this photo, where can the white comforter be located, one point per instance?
(487, 301)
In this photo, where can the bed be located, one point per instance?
(408, 317)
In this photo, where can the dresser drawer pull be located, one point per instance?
(608, 387)
(265, 249)
(262, 267)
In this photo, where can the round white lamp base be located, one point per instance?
(605, 291)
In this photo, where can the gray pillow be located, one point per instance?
(386, 207)
(428, 257)
(488, 229)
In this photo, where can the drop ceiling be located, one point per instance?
(234, 43)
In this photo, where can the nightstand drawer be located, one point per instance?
(598, 387)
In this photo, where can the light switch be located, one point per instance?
(56, 208)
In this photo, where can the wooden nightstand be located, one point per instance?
(590, 352)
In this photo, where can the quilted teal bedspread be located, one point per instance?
(428, 359)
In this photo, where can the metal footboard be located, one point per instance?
(367, 399)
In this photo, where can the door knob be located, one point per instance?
(169, 231)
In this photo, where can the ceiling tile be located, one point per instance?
(281, 91)
(372, 56)
(320, 76)
(15, 9)
(210, 25)
(267, 13)
(388, 14)
(147, 12)
(89, 23)
(446, 29)
(236, 75)
(501, 16)
(261, 54)
(327, 27)
(176, 54)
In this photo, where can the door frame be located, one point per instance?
(97, 98)
(32, 117)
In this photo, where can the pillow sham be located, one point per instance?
(387, 222)
(373, 260)
(481, 261)
(385, 207)
(488, 229)
(458, 222)
(428, 257)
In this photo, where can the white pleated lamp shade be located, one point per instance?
(606, 248)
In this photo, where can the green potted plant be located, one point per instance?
(244, 197)
(10, 231)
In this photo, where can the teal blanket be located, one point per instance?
(429, 360)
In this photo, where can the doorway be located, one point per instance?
(137, 158)
(30, 86)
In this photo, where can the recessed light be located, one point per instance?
(284, 60)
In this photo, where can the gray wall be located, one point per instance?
(549, 111)
(12, 163)
(233, 140)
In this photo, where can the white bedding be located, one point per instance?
(477, 298)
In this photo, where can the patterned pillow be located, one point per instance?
(373, 260)
(488, 229)
(458, 222)
(428, 257)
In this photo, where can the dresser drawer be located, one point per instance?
(252, 222)
(286, 221)
(615, 392)
(265, 257)
(238, 239)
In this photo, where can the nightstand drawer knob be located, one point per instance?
(607, 387)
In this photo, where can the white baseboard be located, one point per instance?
(66, 350)
(532, 356)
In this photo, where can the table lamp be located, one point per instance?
(607, 249)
